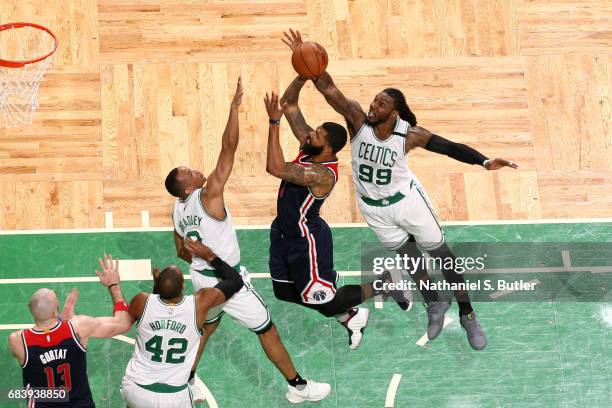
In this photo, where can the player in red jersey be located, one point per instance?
(52, 353)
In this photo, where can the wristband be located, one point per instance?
(274, 121)
(120, 306)
(484, 163)
(110, 286)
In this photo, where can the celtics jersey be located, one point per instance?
(191, 220)
(380, 167)
(167, 340)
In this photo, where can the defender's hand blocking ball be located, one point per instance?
(309, 59)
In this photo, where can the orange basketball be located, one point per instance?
(309, 59)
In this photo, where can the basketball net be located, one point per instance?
(26, 52)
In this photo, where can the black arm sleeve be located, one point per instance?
(457, 151)
(231, 280)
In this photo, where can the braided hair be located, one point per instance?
(401, 106)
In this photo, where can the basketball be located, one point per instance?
(309, 59)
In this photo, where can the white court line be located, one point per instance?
(144, 273)
(392, 390)
(567, 261)
(140, 269)
(15, 326)
(333, 225)
(108, 220)
(144, 219)
(378, 303)
(504, 292)
(129, 270)
(126, 339)
(207, 394)
(424, 339)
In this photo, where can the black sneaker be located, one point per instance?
(402, 298)
(435, 316)
(475, 334)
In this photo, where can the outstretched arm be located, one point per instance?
(350, 110)
(421, 137)
(104, 327)
(218, 177)
(292, 111)
(313, 175)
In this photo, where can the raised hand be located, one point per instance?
(496, 164)
(275, 111)
(294, 40)
(238, 95)
(110, 271)
(68, 310)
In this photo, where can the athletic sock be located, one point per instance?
(298, 382)
(429, 295)
(465, 308)
(343, 317)
(191, 375)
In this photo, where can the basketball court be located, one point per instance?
(137, 87)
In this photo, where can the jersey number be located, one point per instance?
(64, 371)
(366, 173)
(194, 234)
(174, 355)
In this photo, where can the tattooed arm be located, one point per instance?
(289, 102)
(315, 175)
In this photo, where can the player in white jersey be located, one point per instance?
(200, 213)
(391, 198)
(168, 334)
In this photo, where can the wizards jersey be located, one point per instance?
(56, 359)
(297, 208)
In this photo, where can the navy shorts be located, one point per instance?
(307, 262)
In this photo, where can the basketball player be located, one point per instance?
(301, 247)
(52, 353)
(200, 213)
(391, 198)
(168, 333)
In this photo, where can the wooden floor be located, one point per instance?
(141, 86)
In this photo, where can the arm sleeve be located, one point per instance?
(457, 151)
(231, 281)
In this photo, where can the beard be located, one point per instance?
(373, 123)
(311, 150)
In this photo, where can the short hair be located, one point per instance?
(401, 106)
(169, 283)
(43, 304)
(173, 186)
(336, 135)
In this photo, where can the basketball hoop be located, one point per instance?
(26, 52)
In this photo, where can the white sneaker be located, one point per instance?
(196, 386)
(313, 391)
(355, 325)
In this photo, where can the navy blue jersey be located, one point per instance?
(297, 209)
(55, 359)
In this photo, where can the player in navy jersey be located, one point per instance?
(301, 248)
(52, 353)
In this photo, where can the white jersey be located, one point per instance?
(166, 343)
(190, 219)
(380, 168)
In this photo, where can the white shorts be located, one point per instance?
(137, 397)
(412, 215)
(246, 307)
